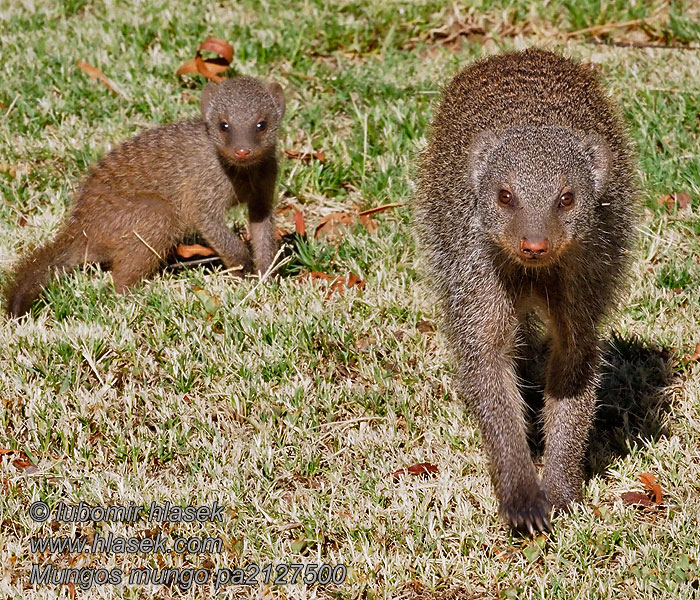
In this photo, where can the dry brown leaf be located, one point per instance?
(329, 225)
(423, 468)
(670, 201)
(305, 156)
(95, 73)
(650, 484)
(382, 208)
(636, 498)
(299, 224)
(24, 465)
(209, 67)
(425, 326)
(694, 357)
(369, 223)
(190, 250)
(338, 283)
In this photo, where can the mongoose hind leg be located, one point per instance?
(570, 393)
(131, 266)
(145, 231)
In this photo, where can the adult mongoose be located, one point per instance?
(526, 203)
(145, 195)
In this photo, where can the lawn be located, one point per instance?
(291, 404)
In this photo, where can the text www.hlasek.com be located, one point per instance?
(126, 545)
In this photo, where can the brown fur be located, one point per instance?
(144, 196)
(537, 126)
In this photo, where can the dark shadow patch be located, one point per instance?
(634, 399)
(637, 380)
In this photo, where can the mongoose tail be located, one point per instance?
(34, 272)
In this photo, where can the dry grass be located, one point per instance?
(289, 407)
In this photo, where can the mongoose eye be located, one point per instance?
(223, 125)
(566, 199)
(505, 197)
(261, 126)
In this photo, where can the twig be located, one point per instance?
(145, 243)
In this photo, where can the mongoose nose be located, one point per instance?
(242, 153)
(534, 248)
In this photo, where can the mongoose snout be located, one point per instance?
(537, 226)
(534, 248)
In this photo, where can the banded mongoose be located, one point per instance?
(144, 196)
(526, 202)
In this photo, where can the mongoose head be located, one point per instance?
(242, 116)
(538, 188)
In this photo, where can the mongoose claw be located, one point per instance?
(528, 515)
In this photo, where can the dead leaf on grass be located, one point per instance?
(694, 357)
(423, 469)
(305, 156)
(681, 201)
(24, 465)
(384, 207)
(650, 484)
(95, 73)
(329, 225)
(300, 226)
(338, 283)
(425, 326)
(209, 67)
(636, 498)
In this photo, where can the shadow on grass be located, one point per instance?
(634, 399)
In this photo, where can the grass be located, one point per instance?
(289, 406)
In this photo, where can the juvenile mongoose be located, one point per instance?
(145, 195)
(526, 203)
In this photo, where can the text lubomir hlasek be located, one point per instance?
(162, 513)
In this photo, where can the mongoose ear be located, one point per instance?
(597, 151)
(278, 94)
(205, 99)
(481, 147)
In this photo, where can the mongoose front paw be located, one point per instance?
(527, 511)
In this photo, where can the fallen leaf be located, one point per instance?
(24, 465)
(636, 498)
(372, 211)
(694, 357)
(423, 469)
(369, 223)
(425, 326)
(670, 201)
(338, 283)
(300, 226)
(328, 226)
(21, 454)
(209, 67)
(71, 590)
(305, 156)
(22, 222)
(95, 73)
(188, 251)
(650, 484)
